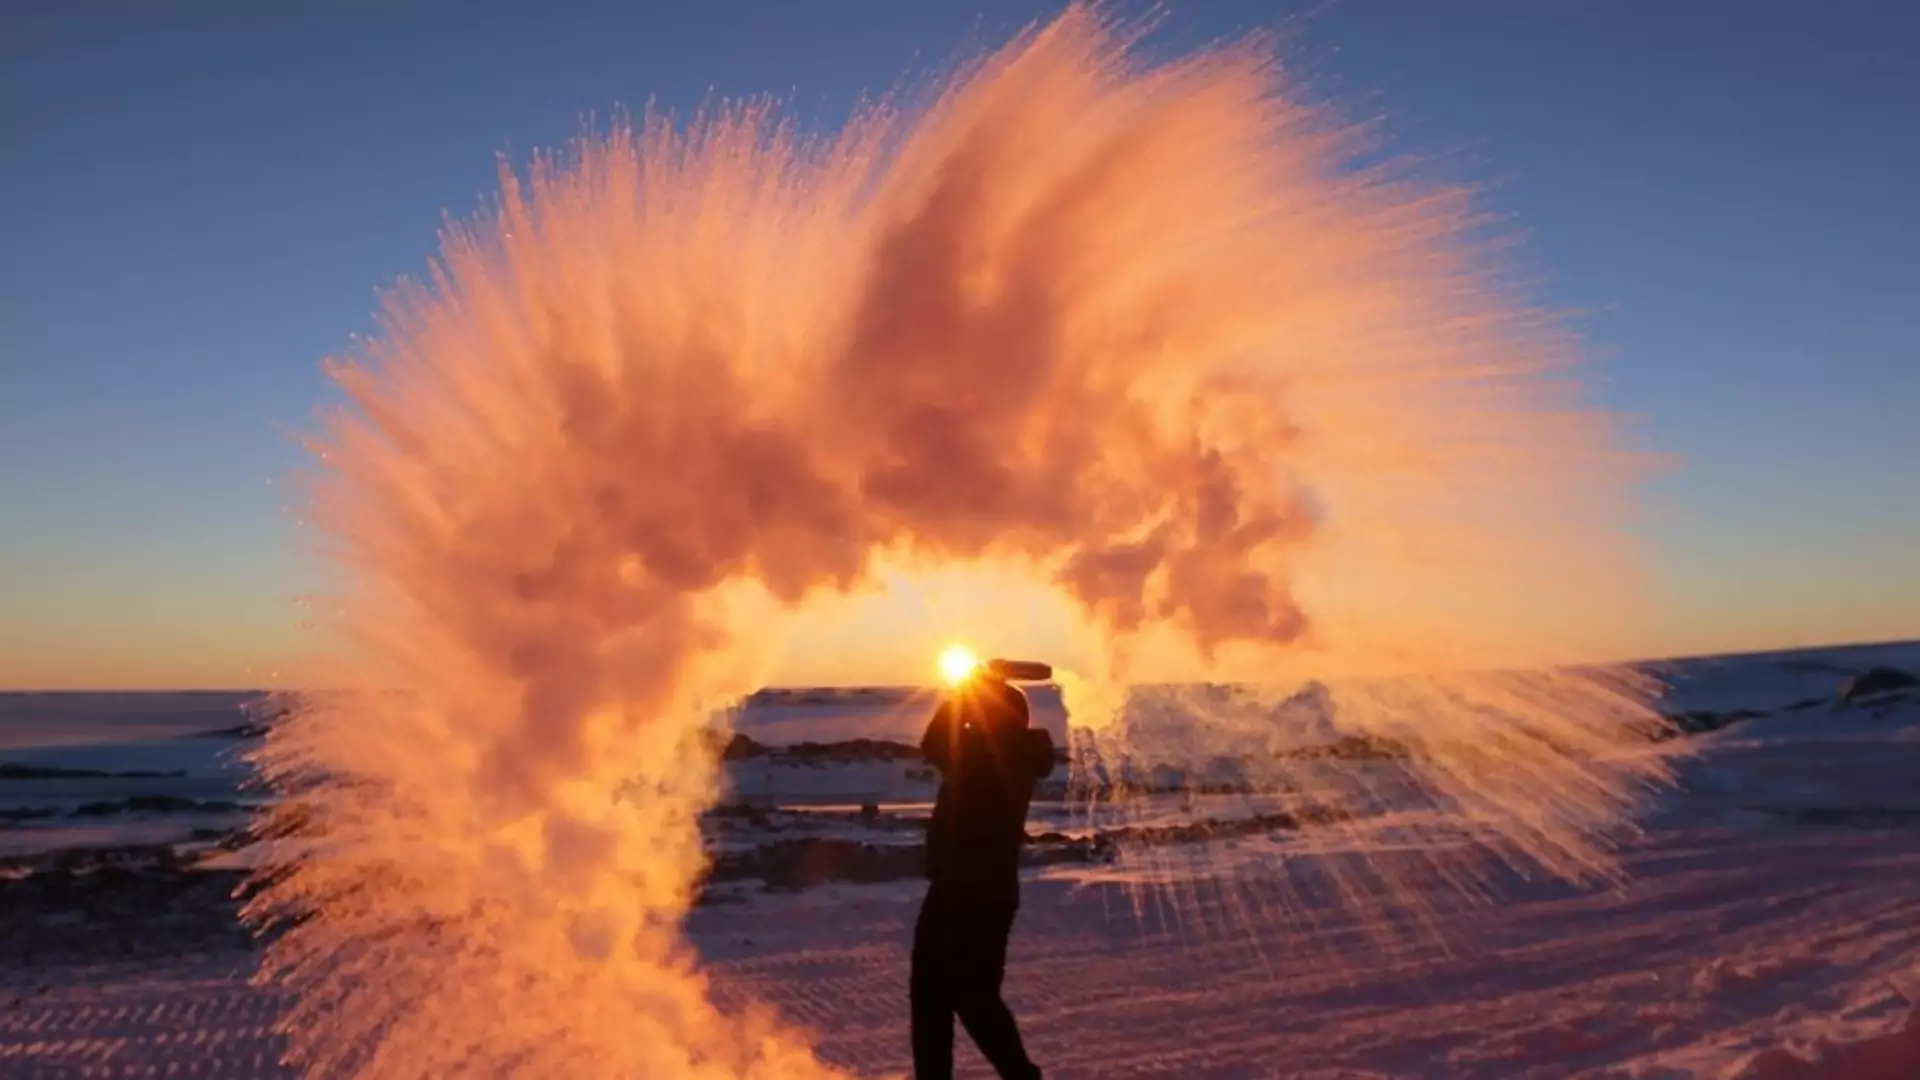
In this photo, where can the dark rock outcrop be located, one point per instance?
(16, 771)
(1353, 748)
(156, 804)
(1701, 721)
(1876, 681)
(256, 729)
(745, 748)
(88, 907)
(741, 748)
(850, 751)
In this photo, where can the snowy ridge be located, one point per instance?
(1768, 928)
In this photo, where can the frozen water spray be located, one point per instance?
(1149, 334)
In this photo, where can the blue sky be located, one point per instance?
(196, 207)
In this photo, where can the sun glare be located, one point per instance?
(956, 663)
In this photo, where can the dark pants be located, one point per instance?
(959, 959)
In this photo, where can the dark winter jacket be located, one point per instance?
(990, 758)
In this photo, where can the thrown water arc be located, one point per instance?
(691, 377)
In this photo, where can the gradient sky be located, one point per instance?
(195, 208)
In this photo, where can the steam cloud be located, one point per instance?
(1146, 332)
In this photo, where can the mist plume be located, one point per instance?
(1145, 331)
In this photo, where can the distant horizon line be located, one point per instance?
(1731, 655)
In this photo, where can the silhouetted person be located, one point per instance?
(989, 759)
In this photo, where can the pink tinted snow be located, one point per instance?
(1746, 944)
(1893, 1056)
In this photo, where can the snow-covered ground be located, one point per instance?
(1768, 927)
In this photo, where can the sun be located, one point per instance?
(956, 663)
